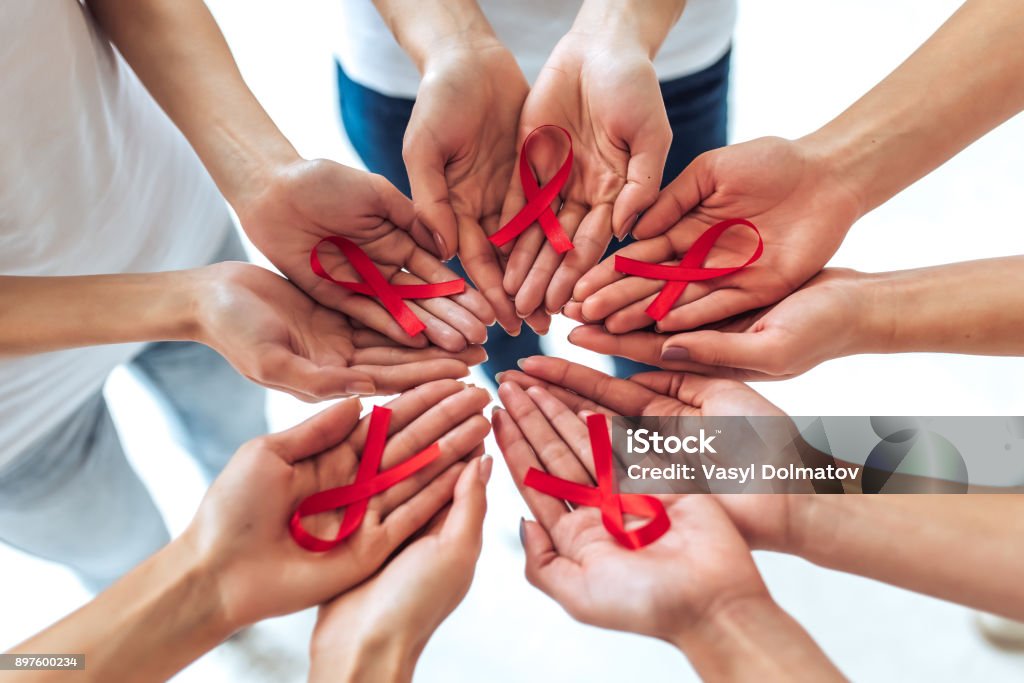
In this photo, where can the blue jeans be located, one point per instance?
(697, 107)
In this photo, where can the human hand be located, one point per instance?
(378, 629)
(459, 149)
(301, 202)
(274, 334)
(667, 589)
(602, 88)
(829, 317)
(241, 529)
(766, 520)
(787, 189)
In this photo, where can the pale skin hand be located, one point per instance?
(600, 85)
(377, 630)
(801, 210)
(274, 334)
(696, 586)
(285, 203)
(460, 149)
(236, 562)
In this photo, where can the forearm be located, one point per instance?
(907, 311)
(180, 55)
(427, 28)
(950, 92)
(753, 639)
(961, 548)
(388, 658)
(644, 23)
(41, 314)
(156, 620)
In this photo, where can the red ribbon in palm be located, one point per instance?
(374, 284)
(613, 505)
(539, 199)
(690, 269)
(356, 496)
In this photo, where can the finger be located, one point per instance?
(619, 303)
(539, 321)
(397, 355)
(590, 243)
(412, 515)
(481, 263)
(538, 273)
(648, 151)
(324, 430)
(622, 396)
(556, 576)
(370, 314)
(281, 367)
(679, 198)
(746, 350)
(520, 458)
(394, 379)
(437, 330)
(465, 521)
(426, 166)
(472, 305)
(718, 305)
(573, 401)
(684, 386)
(556, 456)
(566, 423)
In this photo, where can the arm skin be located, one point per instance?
(950, 92)
(841, 313)
(286, 204)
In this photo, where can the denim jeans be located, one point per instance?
(73, 498)
(697, 107)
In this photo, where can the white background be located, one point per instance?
(797, 64)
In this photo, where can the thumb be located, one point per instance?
(648, 152)
(466, 517)
(744, 350)
(392, 205)
(679, 198)
(430, 195)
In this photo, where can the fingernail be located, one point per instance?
(441, 248)
(675, 353)
(522, 532)
(628, 227)
(497, 377)
(361, 388)
(520, 362)
(486, 464)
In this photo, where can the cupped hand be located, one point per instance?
(766, 520)
(274, 334)
(822, 320)
(241, 529)
(802, 210)
(304, 201)
(459, 150)
(606, 95)
(665, 589)
(393, 614)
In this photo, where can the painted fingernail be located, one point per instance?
(441, 248)
(486, 465)
(675, 353)
(522, 531)
(361, 388)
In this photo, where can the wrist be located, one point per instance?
(835, 164)
(361, 655)
(638, 24)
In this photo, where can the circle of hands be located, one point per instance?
(304, 335)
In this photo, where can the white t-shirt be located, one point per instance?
(94, 178)
(530, 29)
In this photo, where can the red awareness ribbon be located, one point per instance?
(376, 285)
(538, 199)
(356, 496)
(690, 269)
(603, 496)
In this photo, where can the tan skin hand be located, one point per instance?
(305, 201)
(806, 328)
(607, 97)
(274, 334)
(460, 150)
(785, 188)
